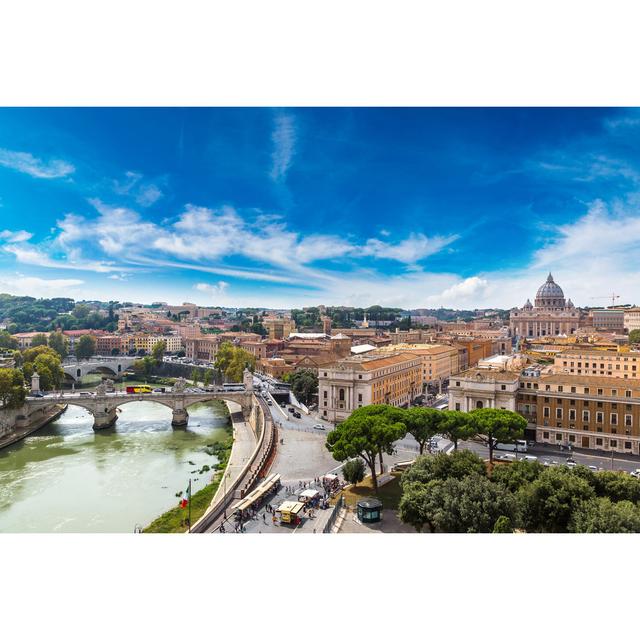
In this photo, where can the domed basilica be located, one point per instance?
(550, 315)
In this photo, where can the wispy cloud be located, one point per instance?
(144, 192)
(216, 291)
(284, 143)
(36, 167)
(15, 236)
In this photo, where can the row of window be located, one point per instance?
(613, 444)
(613, 417)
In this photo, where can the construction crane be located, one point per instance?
(613, 297)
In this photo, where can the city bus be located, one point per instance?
(139, 388)
(520, 446)
(233, 386)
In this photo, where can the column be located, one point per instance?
(180, 418)
(104, 417)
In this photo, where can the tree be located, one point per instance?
(158, 350)
(441, 466)
(634, 336)
(516, 475)
(548, 503)
(208, 377)
(304, 384)
(12, 391)
(353, 470)
(601, 515)
(59, 343)
(51, 373)
(365, 435)
(29, 355)
(497, 425)
(195, 375)
(423, 423)
(616, 486)
(457, 426)
(39, 340)
(471, 504)
(503, 525)
(85, 347)
(7, 341)
(232, 361)
(144, 366)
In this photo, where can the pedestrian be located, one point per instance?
(264, 517)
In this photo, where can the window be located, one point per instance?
(627, 445)
(503, 387)
(558, 413)
(599, 442)
(613, 444)
(457, 383)
(545, 435)
(359, 397)
(627, 393)
(573, 389)
(572, 414)
(599, 392)
(558, 436)
(614, 392)
(585, 416)
(341, 395)
(572, 438)
(546, 412)
(628, 420)
(586, 390)
(599, 417)
(324, 395)
(359, 376)
(457, 406)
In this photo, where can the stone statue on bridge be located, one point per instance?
(180, 385)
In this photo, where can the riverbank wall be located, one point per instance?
(11, 431)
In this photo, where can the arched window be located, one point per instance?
(479, 404)
(341, 395)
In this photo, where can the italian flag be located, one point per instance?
(187, 496)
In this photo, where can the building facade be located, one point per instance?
(613, 364)
(549, 315)
(359, 381)
(632, 319)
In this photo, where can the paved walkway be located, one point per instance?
(244, 444)
(22, 432)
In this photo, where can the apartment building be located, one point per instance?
(608, 320)
(438, 361)
(632, 319)
(583, 411)
(614, 364)
(358, 381)
(278, 327)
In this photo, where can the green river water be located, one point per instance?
(68, 478)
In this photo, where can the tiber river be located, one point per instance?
(68, 478)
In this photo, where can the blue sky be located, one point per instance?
(462, 208)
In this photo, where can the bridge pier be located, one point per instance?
(180, 418)
(104, 418)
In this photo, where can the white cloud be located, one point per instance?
(215, 290)
(416, 247)
(284, 142)
(18, 284)
(29, 164)
(27, 254)
(15, 236)
(469, 289)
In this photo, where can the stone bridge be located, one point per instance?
(103, 406)
(115, 366)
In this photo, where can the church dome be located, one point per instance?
(550, 295)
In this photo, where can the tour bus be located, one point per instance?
(139, 388)
(519, 446)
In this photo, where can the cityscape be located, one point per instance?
(319, 321)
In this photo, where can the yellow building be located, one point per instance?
(278, 328)
(615, 364)
(438, 361)
(358, 381)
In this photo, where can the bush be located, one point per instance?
(353, 471)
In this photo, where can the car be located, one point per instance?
(593, 467)
(530, 458)
(158, 390)
(296, 414)
(291, 410)
(86, 393)
(270, 403)
(571, 463)
(319, 427)
(37, 394)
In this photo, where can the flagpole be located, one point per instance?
(189, 505)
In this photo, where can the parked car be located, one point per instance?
(291, 410)
(86, 393)
(320, 427)
(296, 414)
(37, 394)
(270, 403)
